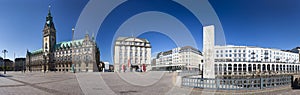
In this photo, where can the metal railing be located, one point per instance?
(237, 84)
(188, 73)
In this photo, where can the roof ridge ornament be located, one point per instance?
(93, 37)
(87, 37)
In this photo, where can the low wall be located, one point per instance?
(237, 84)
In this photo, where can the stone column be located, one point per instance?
(252, 67)
(247, 67)
(226, 69)
(208, 51)
(242, 69)
(275, 67)
(261, 67)
(232, 69)
(286, 67)
(299, 56)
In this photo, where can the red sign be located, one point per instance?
(144, 68)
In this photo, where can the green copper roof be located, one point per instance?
(37, 51)
(61, 45)
(68, 43)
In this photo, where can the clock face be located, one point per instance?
(48, 22)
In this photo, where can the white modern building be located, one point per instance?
(248, 60)
(232, 53)
(131, 53)
(229, 60)
(186, 56)
(242, 67)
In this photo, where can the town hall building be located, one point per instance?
(80, 55)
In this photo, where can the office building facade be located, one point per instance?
(232, 53)
(186, 56)
(131, 53)
(252, 61)
(20, 64)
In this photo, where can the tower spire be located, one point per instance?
(49, 21)
(49, 34)
(49, 7)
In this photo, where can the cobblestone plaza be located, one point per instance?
(37, 83)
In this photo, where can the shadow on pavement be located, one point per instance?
(2, 75)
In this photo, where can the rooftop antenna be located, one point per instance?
(49, 7)
(73, 29)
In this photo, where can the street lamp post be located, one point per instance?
(23, 67)
(4, 53)
(73, 64)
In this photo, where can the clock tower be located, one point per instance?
(49, 42)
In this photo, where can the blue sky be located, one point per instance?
(263, 23)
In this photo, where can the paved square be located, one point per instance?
(59, 83)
